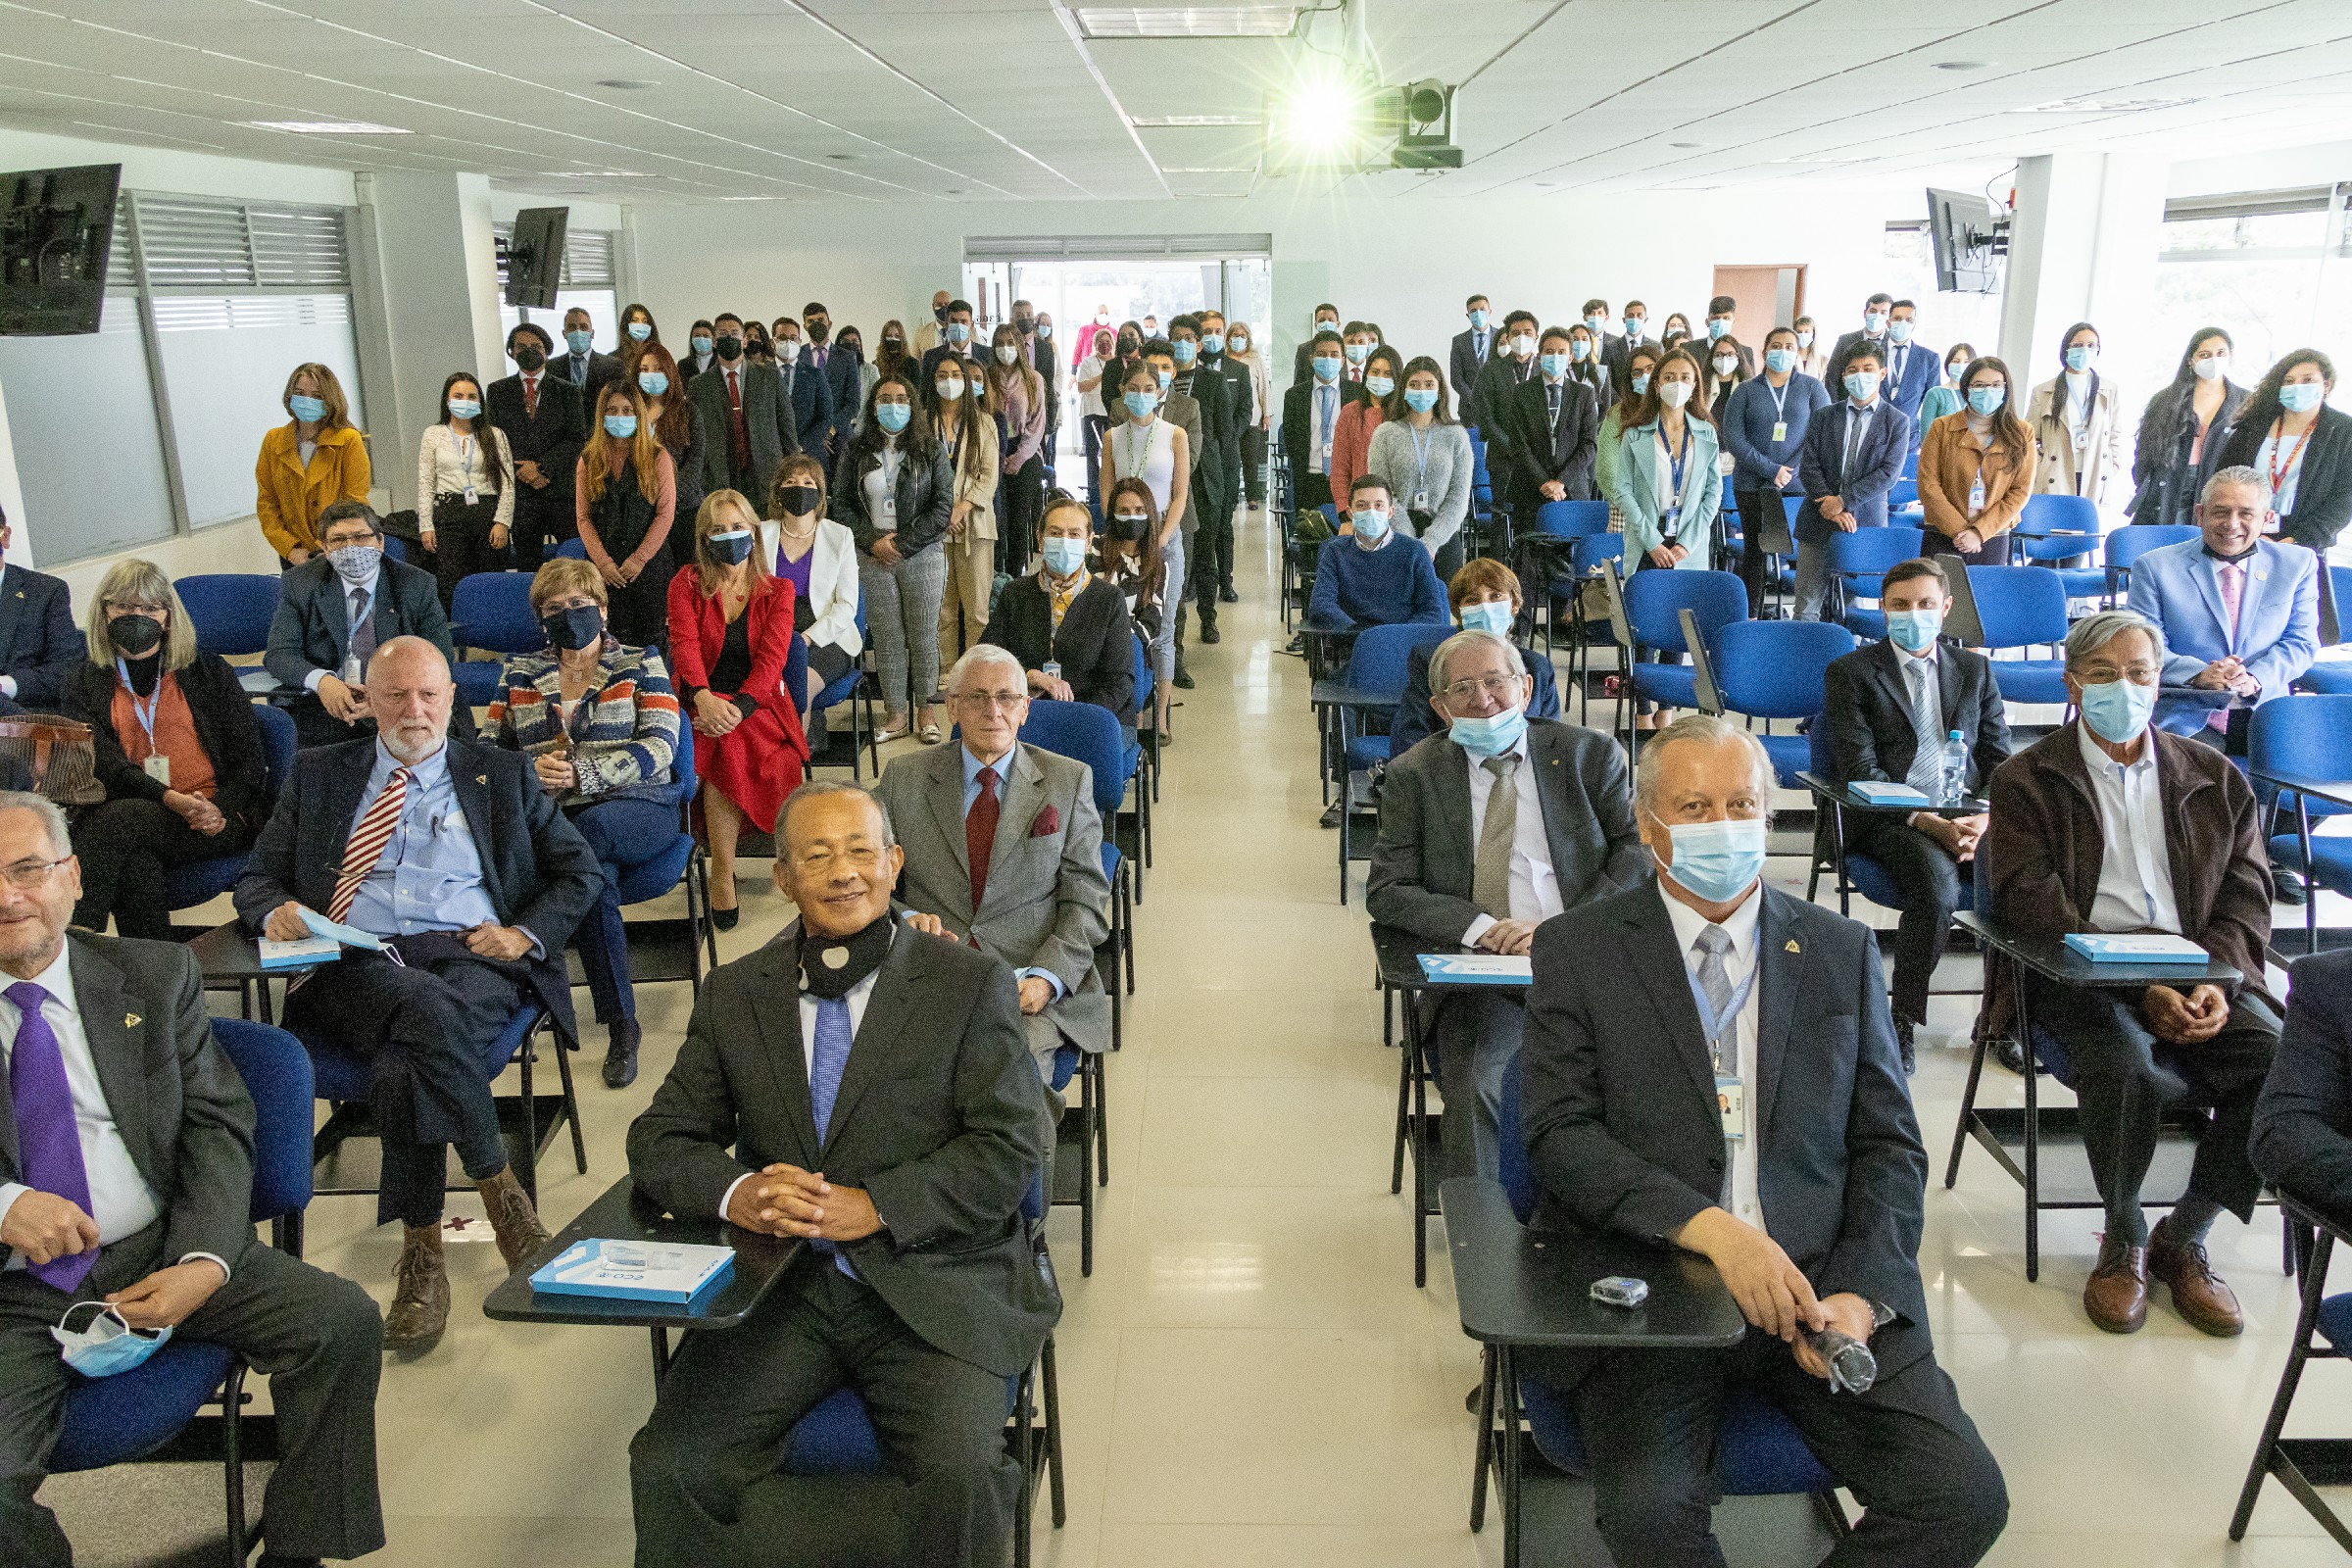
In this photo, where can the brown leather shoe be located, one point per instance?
(2198, 1294)
(420, 1293)
(511, 1217)
(2116, 1294)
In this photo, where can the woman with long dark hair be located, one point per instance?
(625, 498)
(959, 409)
(1018, 395)
(661, 390)
(2182, 431)
(2076, 422)
(464, 487)
(894, 489)
(1640, 364)
(2301, 447)
(1975, 469)
(1134, 562)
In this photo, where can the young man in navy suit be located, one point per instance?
(1853, 454)
(38, 640)
(1912, 368)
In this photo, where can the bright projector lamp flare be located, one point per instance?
(1318, 122)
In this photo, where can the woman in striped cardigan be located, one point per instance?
(600, 724)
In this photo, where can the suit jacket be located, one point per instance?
(1095, 644)
(1622, 1127)
(312, 627)
(1542, 448)
(1847, 340)
(844, 386)
(2324, 486)
(552, 437)
(1047, 902)
(1490, 405)
(178, 1100)
(1617, 357)
(1240, 410)
(2180, 588)
(1921, 368)
(1867, 707)
(940, 1118)
(1298, 422)
(2303, 1123)
(772, 430)
(537, 871)
(1950, 464)
(40, 644)
(1465, 362)
(2059, 470)
(1822, 469)
(1425, 859)
(601, 368)
(813, 402)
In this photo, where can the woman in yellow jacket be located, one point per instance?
(307, 465)
(1975, 469)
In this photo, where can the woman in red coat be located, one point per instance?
(730, 633)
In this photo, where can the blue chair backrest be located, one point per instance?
(1567, 520)
(276, 1070)
(1654, 599)
(1902, 493)
(1478, 459)
(2049, 512)
(230, 611)
(1870, 552)
(681, 764)
(574, 548)
(1517, 1176)
(2306, 734)
(395, 549)
(492, 611)
(1730, 500)
(1774, 668)
(1084, 732)
(277, 748)
(2019, 605)
(796, 671)
(1145, 684)
(1378, 660)
(2136, 539)
(1331, 513)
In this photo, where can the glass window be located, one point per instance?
(1910, 274)
(225, 362)
(604, 318)
(2274, 282)
(81, 419)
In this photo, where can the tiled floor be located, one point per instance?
(1250, 1378)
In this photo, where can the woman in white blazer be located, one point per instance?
(2075, 421)
(818, 557)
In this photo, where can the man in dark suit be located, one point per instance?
(580, 364)
(1890, 706)
(863, 1089)
(1488, 829)
(955, 341)
(2111, 825)
(1911, 367)
(1852, 455)
(40, 644)
(2302, 1140)
(545, 428)
(1474, 345)
(126, 1177)
(1616, 352)
(1212, 561)
(1709, 1066)
(749, 426)
(839, 369)
(1327, 320)
(335, 611)
(1491, 395)
(1310, 413)
(1215, 469)
(807, 389)
(450, 850)
(1876, 315)
(1554, 424)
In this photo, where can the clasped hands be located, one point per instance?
(2185, 1020)
(1772, 1293)
(2226, 675)
(787, 1201)
(45, 1227)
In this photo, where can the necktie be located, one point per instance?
(530, 397)
(1552, 402)
(1927, 722)
(1855, 420)
(362, 627)
(980, 833)
(1490, 879)
(1715, 983)
(2232, 575)
(826, 1063)
(368, 841)
(739, 435)
(579, 370)
(46, 1127)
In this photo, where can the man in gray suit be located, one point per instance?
(1004, 846)
(126, 1179)
(747, 418)
(335, 611)
(1449, 867)
(860, 1087)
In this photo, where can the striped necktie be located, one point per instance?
(368, 841)
(1926, 774)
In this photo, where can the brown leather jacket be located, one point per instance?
(1948, 458)
(2043, 850)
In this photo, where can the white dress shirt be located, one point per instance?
(2283, 495)
(120, 1201)
(2135, 877)
(1744, 1203)
(1535, 884)
(858, 996)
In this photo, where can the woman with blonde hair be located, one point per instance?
(624, 500)
(309, 464)
(818, 557)
(961, 412)
(179, 752)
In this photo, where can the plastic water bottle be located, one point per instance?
(1955, 770)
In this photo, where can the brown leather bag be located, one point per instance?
(51, 756)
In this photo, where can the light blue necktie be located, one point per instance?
(827, 1062)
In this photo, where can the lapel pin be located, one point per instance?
(130, 1020)
(1792, 947)
(482, 778)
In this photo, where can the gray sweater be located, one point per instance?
(1445, 472)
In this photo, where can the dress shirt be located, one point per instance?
(1746, 1201)
(858, 996)
(1327, 416)
(1482, 343)
(430, 875)
(1857, 421)
(120, 1201)
(2135, 878)
(375, 576)
(2283, 494)
(971, 792)
(1535, 884)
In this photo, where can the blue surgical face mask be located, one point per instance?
(1717, 861)
(1914, 631)
(1356, 353)
(893, 416)
(1874, 322)
(579, 339)
(1862, 385)
(959, 333)
(1595, 322)
(109, 1347)
(310, 410)
(652, 383)
(1327, 369)
(1900, 331)
(1552, 363)
(1380, 386)
(701, 343)
(1717, 326)
(2301, 397)
(1185, 350)
(1640, 383)
(1493, 616)
(620, 426)
(1140, 403)
(1420, 399)
(1478, 320)
(1371, 523)
(1988, 400)
(464, 408)
(1580, 349)
(2116, 710)
(1633, 327)
(1491, 735)
(732, 545)
(1780, 361)
(1167, 379)
(1063, 557)
(1212, 343)
(641, 330)
(2080, 357)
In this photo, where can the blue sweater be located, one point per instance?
(1385, 587)
(1747, 422)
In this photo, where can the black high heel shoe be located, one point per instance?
(724, 919)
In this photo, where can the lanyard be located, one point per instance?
(1421, 452)
(1676, 457)
(890, 469)
(2280, 470)
(145, 716)
(1720, 1029)
(463, 445)
(1780, 400)
(1133, 467)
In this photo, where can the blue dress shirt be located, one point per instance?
(430, 875)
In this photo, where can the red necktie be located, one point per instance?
(530, 397)
(980, 833)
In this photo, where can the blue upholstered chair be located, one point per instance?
(229, 610)
(2022, 606)
(1772, 669)
(490, 611)
(201, 881)
(1653, 605)
(1857, 561)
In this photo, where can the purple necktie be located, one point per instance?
(46, 1127)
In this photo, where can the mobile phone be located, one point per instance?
(1620, 1290)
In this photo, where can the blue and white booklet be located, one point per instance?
(637, 1271)
(2146, 946)
(1478, 968)
(324, 943)
(1878, 792)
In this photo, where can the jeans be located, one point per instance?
(1163, 642)
(624, 834)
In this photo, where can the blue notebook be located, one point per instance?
(1877, 792)
(636, 1271)
(1478, 968)
(2138, 948)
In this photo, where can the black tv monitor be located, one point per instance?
(535, 256)
(57, 228)
(1968, 240)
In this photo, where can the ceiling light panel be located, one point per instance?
(328, 128)
(1186, 21)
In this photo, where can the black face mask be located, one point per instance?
(575, 628)
(731, 552)
(818, 331)
(896, 345)
(941, 313)
(528, 357)
(799, 500)
(728, 346)
(852, 347)
(1024, 324)
(830, 966)
(136, 635)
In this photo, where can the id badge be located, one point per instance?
(2083, 438)
(159, 768)
(1667, 521)
(1730, 1102)
(1780, 430)
(1976, 498)
(889, 508)
(1420, 502)
(470, 494)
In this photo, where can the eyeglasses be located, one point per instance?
(123, 607)
(1000, 700)
(2103, 674)
(1497, 686)
(26, 876)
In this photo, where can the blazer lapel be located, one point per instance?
(1453, 817)
(888, 1007)
(782, 1048)
(1779, 965)
(115, 1050)
(946, 804)
(1024, 794)
(1551, 784)
(470, 784)
(1947, 688)
(2209, 585)
(1658, 960)
(338, 608)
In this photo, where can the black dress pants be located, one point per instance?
(1760, 518)
(1932, 1494)
(2125, 1077)
(543, 519)
(1253, 465)
(1024, 502)
(702, 1470)
(1928, 880)
(462, 542)
(125, 847)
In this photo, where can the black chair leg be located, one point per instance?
(1053, 1383)
(2315, 1290)
(571, 1098)
(232, 1460)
